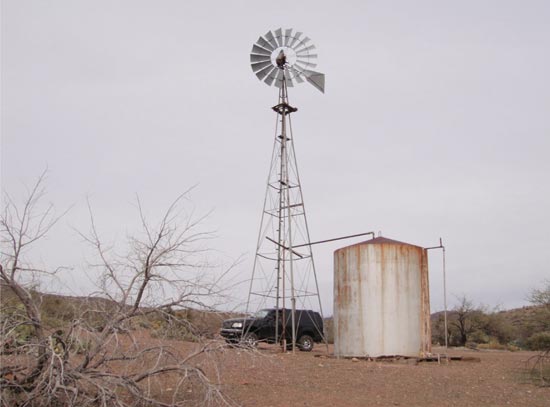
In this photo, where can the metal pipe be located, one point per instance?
(322, 241)
(280, 226)
(283, 183)
(284, 247)
(286, 199)
(337, 238)
(445, 300)
(444, 291)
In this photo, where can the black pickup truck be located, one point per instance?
(261, 327)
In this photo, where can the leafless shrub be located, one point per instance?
(538, 368)
(539, 365)
(101, 358)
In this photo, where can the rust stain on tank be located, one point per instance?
(360, 292)
(343, 290)
(425, 304)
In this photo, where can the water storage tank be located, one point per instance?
(381, 299)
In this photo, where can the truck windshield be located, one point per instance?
(261, 313)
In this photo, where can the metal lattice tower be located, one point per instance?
(284, 273)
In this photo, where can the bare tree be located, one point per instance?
(99, 358)
(540, 297)
(20, 229)
(466, 319)
(539, 365)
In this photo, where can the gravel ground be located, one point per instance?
(272, 378)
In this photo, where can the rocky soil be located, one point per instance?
(272, 378)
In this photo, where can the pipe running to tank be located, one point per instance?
(324, 241)
(444, 290)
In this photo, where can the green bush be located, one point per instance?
(539, 341)
(479, 337)
(22, 334)
(493, 345)
(57, 308)
(173, 330)
(52, 322)
(16, 329)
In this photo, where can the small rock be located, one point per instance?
(354, 360)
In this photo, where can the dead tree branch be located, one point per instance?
(101, 357)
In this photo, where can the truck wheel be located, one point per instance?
(250, 340)
(305, 343)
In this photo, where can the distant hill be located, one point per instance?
(508, 326)
(58, 310)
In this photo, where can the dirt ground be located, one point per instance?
(267, 377)
(315, 379)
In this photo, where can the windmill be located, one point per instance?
(284, 269)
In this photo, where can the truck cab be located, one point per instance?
(261, 327)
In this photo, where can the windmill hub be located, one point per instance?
(283, 57)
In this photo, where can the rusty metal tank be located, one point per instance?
(381, 299)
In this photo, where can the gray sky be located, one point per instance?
(435, 122)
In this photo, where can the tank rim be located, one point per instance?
(378, 241)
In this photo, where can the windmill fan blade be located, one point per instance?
(260, 50)
(271, 76)
(289, 81)
(263, 43)
(279, 79)
(280, 75)
(260, 65)
(279, 37)
(269, 37)
(305, 49)
(310, 56)
(305, 64)
(301, 45)
(295, 39)
(263, 73)
(288, 36)
(317, 79)
(259, 58)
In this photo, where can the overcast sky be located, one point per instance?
(435, 123)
